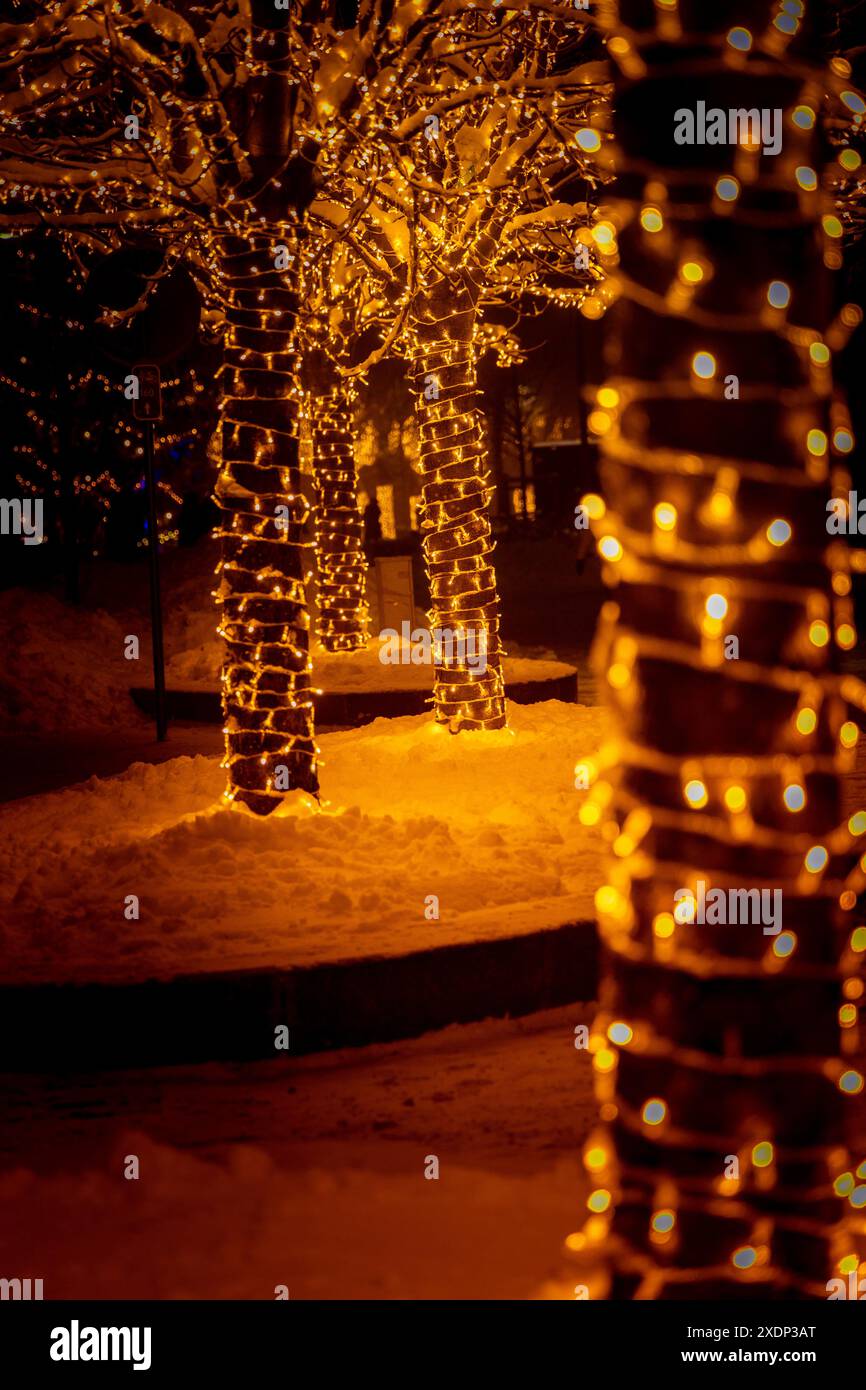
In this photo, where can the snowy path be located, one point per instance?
(307, 1172)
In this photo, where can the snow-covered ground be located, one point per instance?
(307, 1172)
(487, 822)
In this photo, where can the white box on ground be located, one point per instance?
(394, 591)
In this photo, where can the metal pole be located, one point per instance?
(521, 444)
(585, 453)
(155, 603)
(584, 450)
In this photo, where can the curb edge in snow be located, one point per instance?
(349, 709)
(225, 1017)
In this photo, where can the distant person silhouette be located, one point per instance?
(372, 524)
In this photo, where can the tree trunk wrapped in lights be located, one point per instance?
(455, 518)
(266, 689)
(267, 697)
(343, 624)
(723, 1054)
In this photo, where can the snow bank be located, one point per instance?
(487, 822)
(63, 666)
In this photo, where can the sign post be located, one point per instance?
(147, 407)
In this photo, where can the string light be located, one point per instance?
(71, 464)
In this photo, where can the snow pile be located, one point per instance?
(63, 666)
(487, 822)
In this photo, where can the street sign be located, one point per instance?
(148, 406)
